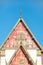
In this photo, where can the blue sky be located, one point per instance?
(32, 13)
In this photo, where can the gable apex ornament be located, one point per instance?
(20, 13)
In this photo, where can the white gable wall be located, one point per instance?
(39, 60)
(3, 60)
(33, 54)
(9, 54)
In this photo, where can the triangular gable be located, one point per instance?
(10, 41)
(21, 58)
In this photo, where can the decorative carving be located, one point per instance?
(38, 52)
(2, 52)
(19, 34)
(20, 59)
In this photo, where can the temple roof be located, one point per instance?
(27, 28)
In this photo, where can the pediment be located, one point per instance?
(19, 33)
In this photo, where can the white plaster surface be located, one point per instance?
(33, 54)
(9, 54)
(3, 60)
(39, 60)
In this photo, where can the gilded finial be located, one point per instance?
(20, 13)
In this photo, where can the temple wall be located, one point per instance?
(3, 60)
(39, 60)
(33, 54)
(9, 54)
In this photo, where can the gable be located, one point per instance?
(18, 34)
(21, 58)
